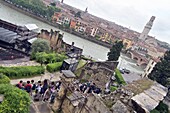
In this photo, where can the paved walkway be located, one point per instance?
(26, 59)
(28, 63)
(37, 78)
(131, 77)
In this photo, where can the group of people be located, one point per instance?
(45, 91)
(89, 87)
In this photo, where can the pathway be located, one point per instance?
(26, 59)
(37, 78)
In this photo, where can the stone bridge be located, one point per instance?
(140, 59)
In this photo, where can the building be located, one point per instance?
(70, 64)
(80, 26)
(149, 67)
(143, 36)
(61, 18)
(127, 43)
(91, 31)
(16, 37)
(72, 24)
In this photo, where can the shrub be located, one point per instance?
(4, 79)
(161, 108)
(22, 71)
(53, 67)
(15, 100)
(113, 88)
(119, 77)
(43, 57)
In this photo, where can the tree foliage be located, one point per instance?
(161, 71)
(37, 7)
(53, 67)
(161, 108)
(15, 100)
(40, 45)
(46, 58)
(4, 79)
(78, 14)
(114, 53)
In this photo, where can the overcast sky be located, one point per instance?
(133, 14)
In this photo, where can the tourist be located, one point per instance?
(37, 95)
(44, 87)
(47, 94)
(38, 87)
(58, 84)
(33, 85)
(54, 93)
(28, 87)
(19, 85)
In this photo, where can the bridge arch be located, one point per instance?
(129, 54)
(143, 65)
(136, 58)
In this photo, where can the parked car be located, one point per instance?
(121, 71)
(126, 71)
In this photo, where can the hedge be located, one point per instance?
(119, 77)
(4, 79)
(53, 67)
(22, 71)
(15, 100)
(46, 58)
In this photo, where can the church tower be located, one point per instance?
(147, 28)
(86, 10)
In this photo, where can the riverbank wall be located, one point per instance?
(89, 38)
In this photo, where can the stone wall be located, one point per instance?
(99, 72)
(56, 41)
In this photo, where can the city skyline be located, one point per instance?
(133, 15)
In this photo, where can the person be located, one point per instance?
(37, 95)
(47, 94)
(28, 87)
(19, 85)
(53, 95)
(33, 85)
(44, 87)
(58, 84)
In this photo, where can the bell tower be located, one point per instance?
(146, 29)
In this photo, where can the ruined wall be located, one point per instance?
(99, 72)
(56, 41)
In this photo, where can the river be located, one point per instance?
(89, 48)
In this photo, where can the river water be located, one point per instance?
(89, 48)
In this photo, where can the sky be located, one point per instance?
(133, 14)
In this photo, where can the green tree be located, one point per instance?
(40, 45)
(114, 53)
(161, 71)
(15, 100)
(78, 14)
(53, 4)
(4, 79)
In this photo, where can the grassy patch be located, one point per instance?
(78, 72)
(113, 88)
(81, 64)
(119, 77)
